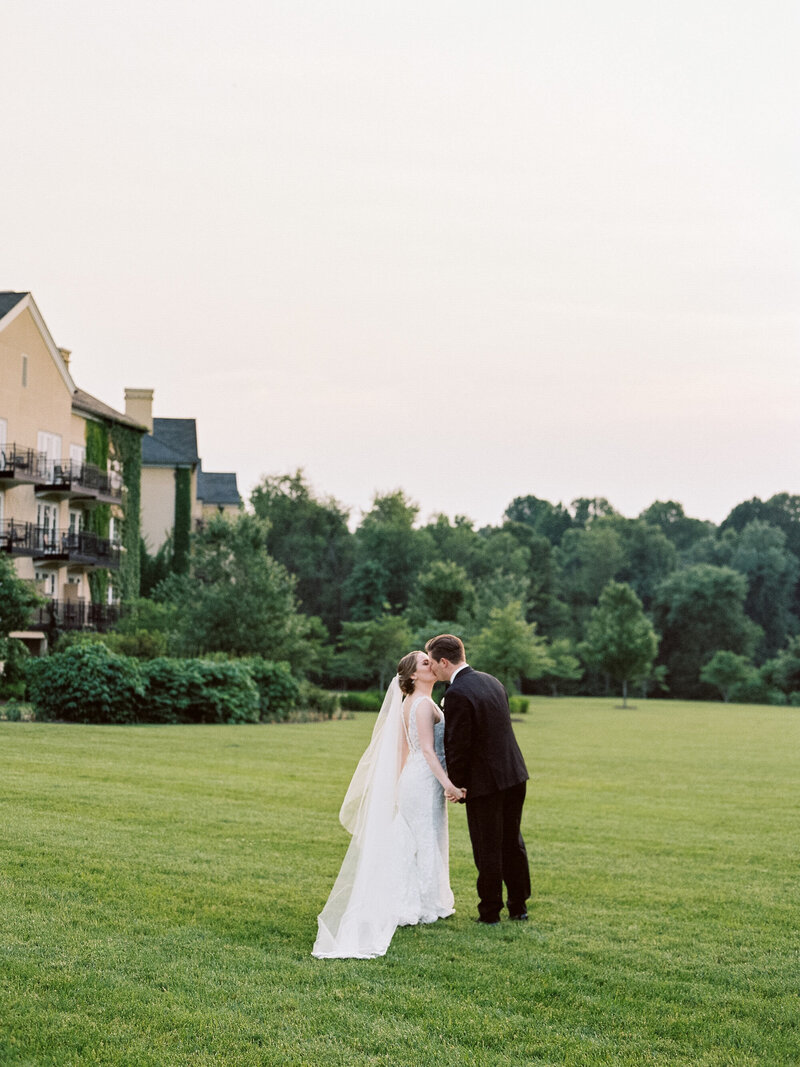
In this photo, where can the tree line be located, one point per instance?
(555, 598)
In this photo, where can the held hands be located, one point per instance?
(455, 795)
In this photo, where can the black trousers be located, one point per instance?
(499, 851)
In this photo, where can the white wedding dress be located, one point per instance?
(396, 871)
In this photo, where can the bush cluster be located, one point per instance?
(90, 682)
(369, 700)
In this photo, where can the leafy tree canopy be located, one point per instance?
(620, 639)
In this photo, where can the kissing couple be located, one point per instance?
(396, 870)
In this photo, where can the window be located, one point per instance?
(24, 370)
(46, 518)
(77, 456)
(50, 445)
(75, 524)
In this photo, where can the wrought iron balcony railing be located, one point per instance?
(74, 547)
(19, 464)
(16, 538)
(78, 480)
(75, 615)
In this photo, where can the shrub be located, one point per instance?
(85, 683)
(317, 700)
(13, 711)
(278, 689)
(140, 644)
(369, 700)
(518, 705)
(794, 699)
(196, 690)
(12, 681)
(752, 691)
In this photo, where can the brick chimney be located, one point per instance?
(139, 406)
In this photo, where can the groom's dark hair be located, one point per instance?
(446, 646)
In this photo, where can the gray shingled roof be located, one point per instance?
(83, 401)
(172, 443)
(9, 300)
(215, 488)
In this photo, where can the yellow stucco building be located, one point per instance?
(47, 488)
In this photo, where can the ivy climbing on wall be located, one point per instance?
(98, 519)
(183, 520)
(126, 444)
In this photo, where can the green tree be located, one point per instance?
(389, 553)
(310, 537)
(371, 649)
(783, 671)
(442, 591)
(457, 542)
(509, 647)
(565, 665)
(18, 599)
(588, 559)
(547, 520)
(236, 598)
(726, 670)
(760, 553)
(699, 610)
(648, 556)
(620, 639)
(587, 509)
(670, 518)
(543, 606)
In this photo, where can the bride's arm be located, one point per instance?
(425, 718)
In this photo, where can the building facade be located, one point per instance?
(177, 494)
(50, 488)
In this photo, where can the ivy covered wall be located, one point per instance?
(98, 520)
(183, 520)
(127, 448)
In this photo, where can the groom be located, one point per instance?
(484, 758)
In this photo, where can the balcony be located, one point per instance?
(74, 548)
(16, 538)
(75, 615)
(77, 481)
(19, 465)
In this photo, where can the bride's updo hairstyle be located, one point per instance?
(405, 668)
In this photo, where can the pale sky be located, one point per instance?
(474, 250)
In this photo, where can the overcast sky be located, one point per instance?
(474, 250)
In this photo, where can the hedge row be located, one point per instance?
(90, 683)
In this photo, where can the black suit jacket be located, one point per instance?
(481, 751)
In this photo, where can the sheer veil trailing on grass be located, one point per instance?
(362, 911)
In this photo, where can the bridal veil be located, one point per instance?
(361, 913)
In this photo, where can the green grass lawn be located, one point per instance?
(159, 888)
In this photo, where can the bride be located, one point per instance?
(396, 870)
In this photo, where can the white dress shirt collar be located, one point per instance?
(456, 671)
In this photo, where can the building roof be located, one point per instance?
(215, 488)
(9, 300)
(85, 402)
(173, 443)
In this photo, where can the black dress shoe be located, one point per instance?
(488, 922)
(521, 918)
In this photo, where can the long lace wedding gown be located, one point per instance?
(421, 827)
(396, 871)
